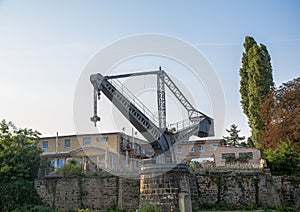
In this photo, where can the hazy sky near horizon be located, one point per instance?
(45, 45)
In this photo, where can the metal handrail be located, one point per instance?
(180, 125)
(134, 100)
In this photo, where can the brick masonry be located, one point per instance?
(226, 189)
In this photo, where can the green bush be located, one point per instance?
(14, 194)
(84, 210)
(285, 208)
(114, 209)
(19, 152)
(195, 165)
(284, 160)
(146, 207)
(70, 169)
(35, 208)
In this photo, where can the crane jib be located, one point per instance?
(153, 128)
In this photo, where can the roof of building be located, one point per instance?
(84, 134)
(204, 141)
(68, 153)
(237, 147)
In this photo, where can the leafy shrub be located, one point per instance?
(115, 209)
(19, 154)
(14, 194)
(244, 159)
(146, 207)
(230, 159)
(71, 169)
(195, 165)
(84, 210)
(285, 208)
(19, 164)
(35, 208)
(284, 159)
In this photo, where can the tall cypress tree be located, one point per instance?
(256, 82)
(249, 42)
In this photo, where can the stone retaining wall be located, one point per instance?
(96, 193)
(224, 189)
(164, 189)
(237, 189)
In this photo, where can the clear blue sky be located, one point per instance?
(45, 45)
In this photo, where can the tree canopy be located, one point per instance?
(19, 163)
(256, 82)
(19, 154)
(284, 159)
(280, 112)
(233, 139)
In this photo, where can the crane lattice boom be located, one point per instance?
(157, 134)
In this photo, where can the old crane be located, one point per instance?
(155, 130)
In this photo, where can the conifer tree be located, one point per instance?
(233, 139)
(249, 42)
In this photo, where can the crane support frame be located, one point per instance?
(161, 100)
(160, 138)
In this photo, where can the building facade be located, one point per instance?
(107, 151)
(215, 150)
(200, 149)
(252, 156)
(118, 151)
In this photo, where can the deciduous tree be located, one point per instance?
(19, 154)
(284, 159)
(280, 112)
(19, 163)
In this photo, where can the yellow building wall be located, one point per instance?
(186, 155)
(98, 152)
(77, 143)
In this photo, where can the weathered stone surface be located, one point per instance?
(227, 189)
(164, 188)
(235, 189)
(97, 193)
(129, 194)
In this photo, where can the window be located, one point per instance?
(67, 143)
(179, 149)
(191, 148)
(201, 148)
(45, 145)
(226, 155)
(60, 162)
(52, 162)
(101, 161)
(211, 147)
(248, 155)
(102, 139)
(86, 141)
(168, 159)
(79, 159)
(138, 150)
(112, 161)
